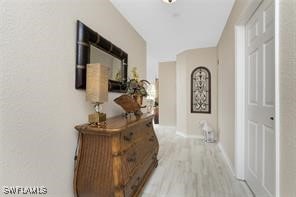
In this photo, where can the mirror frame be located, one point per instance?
(87, 37)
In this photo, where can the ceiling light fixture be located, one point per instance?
(169, 1)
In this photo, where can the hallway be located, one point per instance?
(225, 69)
(189, 168)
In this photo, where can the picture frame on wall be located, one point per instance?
(201, 90)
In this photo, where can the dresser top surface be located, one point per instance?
(114, 124)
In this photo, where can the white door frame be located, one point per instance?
(240, 86)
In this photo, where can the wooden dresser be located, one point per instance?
(117, 159)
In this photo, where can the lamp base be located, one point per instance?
(97, 118)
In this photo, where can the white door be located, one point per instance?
(260, 91)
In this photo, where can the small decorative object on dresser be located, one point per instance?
(129, 104)
(116, 159)
(137, 88)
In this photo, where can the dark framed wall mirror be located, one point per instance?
(91, 47)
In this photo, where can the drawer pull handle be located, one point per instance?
(154, 156)
(132, 158)
(136, 185)
(128, 137)
(149, 124)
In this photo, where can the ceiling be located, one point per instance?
(171, 29)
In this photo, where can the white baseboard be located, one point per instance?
(226, 158)
(165, 127)
(182, 134)
(179, 133)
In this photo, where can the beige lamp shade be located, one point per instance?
(96, 83)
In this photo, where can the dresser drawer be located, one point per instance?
(133, 185)
(130, 136)
(130, 161)
(149, 160)
(134, 157)
(133, 134)
(140, 176)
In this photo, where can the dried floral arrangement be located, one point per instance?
(136, 87)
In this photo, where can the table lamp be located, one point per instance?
(96, 90)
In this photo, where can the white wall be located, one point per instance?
(152, 66)
(187, 61)
(167, 94)
(226, 57)
(287, 57)
(181, 95)
(38, 102)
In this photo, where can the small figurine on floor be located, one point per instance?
(208, 132)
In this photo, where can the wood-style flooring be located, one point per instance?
(190, 168)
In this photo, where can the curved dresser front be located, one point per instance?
(115, 159)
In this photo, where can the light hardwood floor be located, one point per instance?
(190, 168)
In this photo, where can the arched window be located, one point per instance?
(201, 90)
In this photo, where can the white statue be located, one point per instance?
(208, 131)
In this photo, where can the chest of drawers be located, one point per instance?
(116, 159)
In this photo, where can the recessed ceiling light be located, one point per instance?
(169, 1)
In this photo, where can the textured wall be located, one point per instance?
(181, 96)
(287, 58)
(167, 93)
(152, 66)
(187, 61)
(39, 105)
(226, 56)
